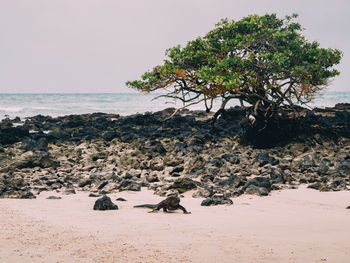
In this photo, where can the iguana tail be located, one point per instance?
(147, 206)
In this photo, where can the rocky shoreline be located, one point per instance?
(107, 153)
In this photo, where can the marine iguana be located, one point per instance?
(171, 203)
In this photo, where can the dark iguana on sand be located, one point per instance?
(171, 203)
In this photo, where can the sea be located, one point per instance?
(58, 104)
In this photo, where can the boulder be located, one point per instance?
(37, 160)
(103, 184)
(109, 135)
(217, 162)
(133, 173)
(255, 190)
(216, 200)
(129, 185)
(194, 164)
(9, 135)
(322, 168)
(183, 184)
(151, 178)
(343, 169)
(156, 164)
(264, 158)
(230, 158)
(69, 191)
(84, 182)
(27, 195)
(42, 144)
(318, 186)
(259, 181)
(105, 203)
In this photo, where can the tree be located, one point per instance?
(264, 61)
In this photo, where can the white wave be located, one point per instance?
(11, 109)
(40, 108)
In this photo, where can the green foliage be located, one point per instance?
(262, 60)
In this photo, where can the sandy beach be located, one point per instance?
(300, 225)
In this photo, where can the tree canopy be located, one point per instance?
(263, 60)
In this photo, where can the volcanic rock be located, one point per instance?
(105, 203)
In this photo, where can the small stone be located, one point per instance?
(94, 195)
(69, 191)
(121, 199)
(54, 197)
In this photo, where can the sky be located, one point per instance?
(88, 46)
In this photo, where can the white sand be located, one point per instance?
(289, 226)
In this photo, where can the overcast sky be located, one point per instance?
(97, 45)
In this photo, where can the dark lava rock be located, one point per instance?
(317, 186)
(59, 135)
(129, 185)
(69, 191)
(218, 162)
(151, 178)
(264, 158)
(121, 199)
(109, 135)
(322, 168)
(196, 141)
(42, 144)
(232, 180)
(255, 190)
(216, 200)
(348, 207)
(27, 195)
(344, 169)
(276, 177)
(230, 158)
(338, 185)
(94, 195)
(105, 203)
(10, 135)
(342, 106)
(259, 182)
(85, 182)
(183, 185)
(177, 169)
(160, 149)
(38, 160)
(52, 197)
(28, 144)
(103, 184)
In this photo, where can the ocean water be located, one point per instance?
(27, 105)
